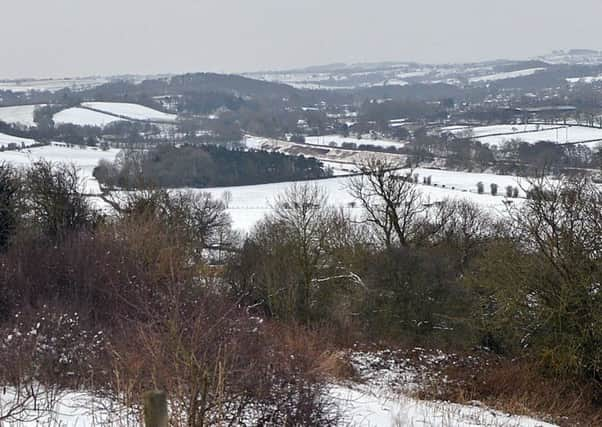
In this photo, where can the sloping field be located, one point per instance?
(507, 75)
(497, 135)
(130, 111)
(51, 85)
(6, 140)
(248, 204)
(85, 159)
(84, 117)
(20, 114)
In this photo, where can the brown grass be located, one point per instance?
(518, 387)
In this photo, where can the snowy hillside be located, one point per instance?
(21, 114)
(248, 204)
(85, 159)
(7, 140)
(84, 117)
(497, 135)
(130, 111)
(507, 75)
(51, 85)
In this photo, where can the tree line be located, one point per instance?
(202, 166)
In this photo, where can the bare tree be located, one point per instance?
(391, 200)
(55, 199)
(196, 219)
(464, 226)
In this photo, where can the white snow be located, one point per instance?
(363, 407)
(339, 169)
(339, 140)
(6, 140)
(51, 85)
(84, 117)
(20, 114)
(507, 75)
(585, 79)
(454, 128)
(67, 409)
(497, 135)
(387, 380)
(131, 111)
(390, 82)
(85, 159)
(322, 153)
(358, 406)
(249, 204)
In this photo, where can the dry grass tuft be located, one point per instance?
(336, 365)
(518, 387)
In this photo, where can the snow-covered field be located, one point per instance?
(85, 159)
(480, 131)
(20, 114)
(497, 135)
(84, 117)
(6, 140)
(51, 85)
(507, 75)
(249, 204)
(584, 79)
(338, 141)
(131, 111)
(339, 169)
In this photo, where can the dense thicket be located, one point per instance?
(130, 302)
(522, 285)
(205, 166)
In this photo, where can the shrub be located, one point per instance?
(219, 365)
(480, 187)
(55, 200)
(9, 201)
(540, 285)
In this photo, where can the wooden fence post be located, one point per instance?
(155, 409)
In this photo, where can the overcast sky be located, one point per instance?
(54, 38)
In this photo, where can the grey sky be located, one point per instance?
(88, 37)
